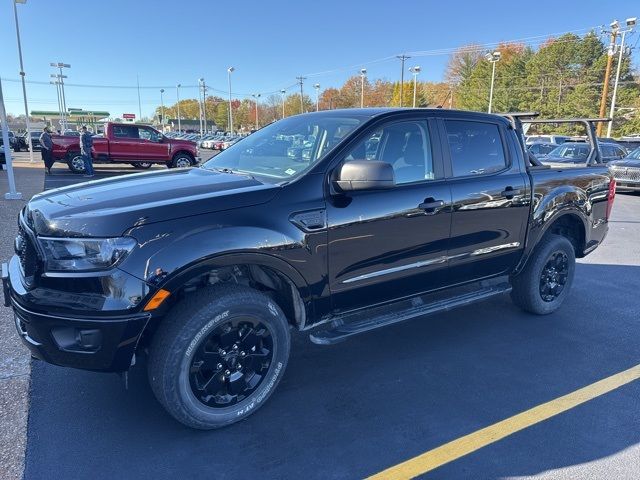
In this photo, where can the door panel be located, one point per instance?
(124, 143)
(490, 208)
(392, 243)
(151, 150)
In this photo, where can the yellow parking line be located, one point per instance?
(469, 443)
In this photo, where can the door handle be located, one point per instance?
(431, 205)
(510, 192)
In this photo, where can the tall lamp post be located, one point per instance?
(283, 92)
(256, 96)
(229, 72)
(22, 74)
(415, 71)
(63, 98)
(178, 97)
(317, 88)
(200, 82)
(363, 76)
(162, 109)
(492, 57)
(631, 22)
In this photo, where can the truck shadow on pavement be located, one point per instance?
(356, 408)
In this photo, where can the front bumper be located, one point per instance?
(89, 339)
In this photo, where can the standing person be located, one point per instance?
(86, 142)
(46, 148)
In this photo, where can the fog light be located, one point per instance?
(77, 339)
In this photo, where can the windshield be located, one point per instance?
(635, 154)
(570, 151)
(285, 149)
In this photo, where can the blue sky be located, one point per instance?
(269, 42)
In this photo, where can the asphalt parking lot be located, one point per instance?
(355, 409)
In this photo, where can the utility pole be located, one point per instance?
(256, 96)
(402, 58)
(301, 81)
(162, 108)
(607, 75)
(283, 92)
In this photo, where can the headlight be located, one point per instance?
(84, 254)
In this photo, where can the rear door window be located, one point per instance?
(476, 147)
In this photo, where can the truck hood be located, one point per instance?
(625, 162)
(108, 207)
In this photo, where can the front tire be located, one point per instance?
(182, 161)
(546, 279)
(76, 163)
(218, 356)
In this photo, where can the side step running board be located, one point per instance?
(353, 324)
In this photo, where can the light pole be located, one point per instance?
(402, 60)
(256, 96)
(631, 22)
(229, 72)
(363, 76)
(22, 74)
(178, 97)
(415, 71)
(57, 84)
(12, 194)
(63, 98)
(493, 57)
(162, 109)
(317, 87)
(283, 92)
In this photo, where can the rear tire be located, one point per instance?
(547, 277)
(202, 356)
(142, 165)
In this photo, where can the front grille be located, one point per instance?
(27, 254)
(627, 174)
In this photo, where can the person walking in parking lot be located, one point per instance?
(46, 148)
(86, 142)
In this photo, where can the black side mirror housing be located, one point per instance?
(365, 175)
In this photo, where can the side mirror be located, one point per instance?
(365, 175)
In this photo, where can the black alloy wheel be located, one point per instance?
(231, 362)
(554, 276)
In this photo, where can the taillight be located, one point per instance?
(611, 196)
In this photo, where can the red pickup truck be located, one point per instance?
(139, 145)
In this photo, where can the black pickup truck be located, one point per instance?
(387, 215)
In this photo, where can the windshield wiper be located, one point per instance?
(233, 172)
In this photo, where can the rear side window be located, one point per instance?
(476, 147)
